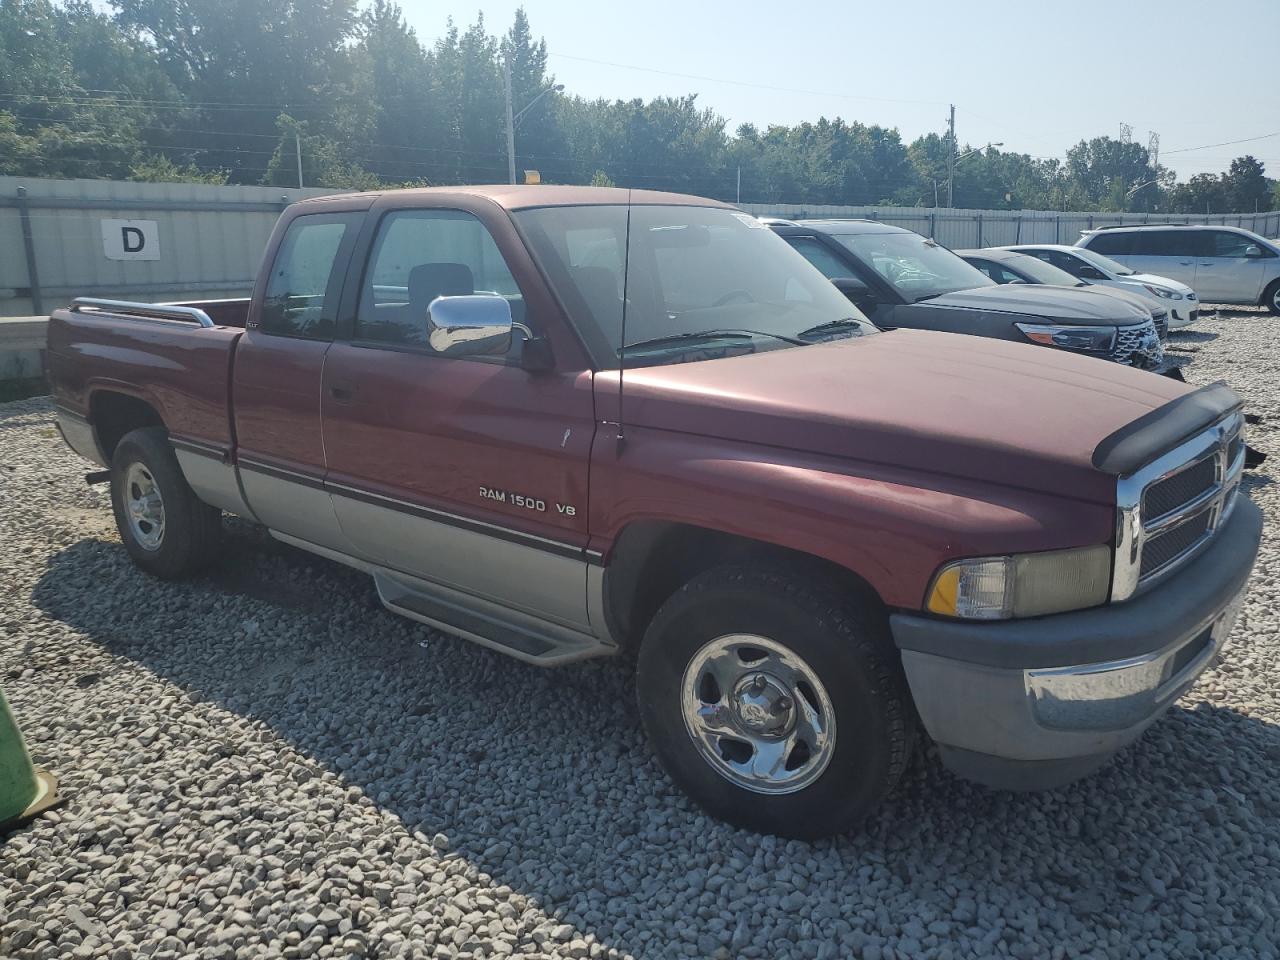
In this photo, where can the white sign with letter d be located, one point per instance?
(131, 239)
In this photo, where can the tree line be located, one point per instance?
(237, 91)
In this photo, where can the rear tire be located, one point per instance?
(775, 703)
(167, 529)
(1271, 299)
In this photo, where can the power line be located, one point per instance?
(1225, 143)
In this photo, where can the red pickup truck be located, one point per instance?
(572, 422)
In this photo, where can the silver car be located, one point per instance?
(1222, 264)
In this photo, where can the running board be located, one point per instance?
(516, 634)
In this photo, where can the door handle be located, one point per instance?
(342, 393)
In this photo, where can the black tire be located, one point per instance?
(191, 529)
(1271, 299)
(843, 639)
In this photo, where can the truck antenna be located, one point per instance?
(622, 334)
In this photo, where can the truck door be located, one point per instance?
(469, 472)
(277, 378)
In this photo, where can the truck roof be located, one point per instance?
(522, 196)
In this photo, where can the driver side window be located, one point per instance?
(419, 255)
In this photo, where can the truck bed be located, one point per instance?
(99, 354)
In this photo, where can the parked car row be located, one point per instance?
(573, 422)
(901, 279)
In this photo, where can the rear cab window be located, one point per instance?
(306, 276)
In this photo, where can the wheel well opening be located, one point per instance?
(652, 560)
(115, 414)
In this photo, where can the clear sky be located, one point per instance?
(1038, 76)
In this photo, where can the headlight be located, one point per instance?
(1163, 292)
(1029, 585)
(1099, 339)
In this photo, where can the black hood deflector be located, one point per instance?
(1135, 445)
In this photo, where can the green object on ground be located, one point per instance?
(24, 790)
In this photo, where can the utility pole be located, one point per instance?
(297, 142)
(511, 123)
(739, 200)
(951, 159)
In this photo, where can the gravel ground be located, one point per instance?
(264, 763)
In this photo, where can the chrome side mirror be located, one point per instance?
(471, 325)
(1253, 250)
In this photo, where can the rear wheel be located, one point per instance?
(1271, 299)
(166, 528)
(775, 703)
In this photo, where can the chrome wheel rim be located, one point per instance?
(144, 507)
(1275, 298)
(758, 714)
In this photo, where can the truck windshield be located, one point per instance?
(699, 282)
(918, 268)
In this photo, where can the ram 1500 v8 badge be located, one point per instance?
(571, 422)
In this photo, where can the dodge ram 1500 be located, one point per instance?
(571, 422)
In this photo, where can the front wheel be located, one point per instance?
(775, 703)
(166, 528)
(1271, 299)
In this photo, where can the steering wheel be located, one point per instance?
(742, 296)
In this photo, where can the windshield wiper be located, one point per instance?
(927, 296)
(831, 326)
(719, 334)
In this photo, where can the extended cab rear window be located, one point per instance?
(306, 276)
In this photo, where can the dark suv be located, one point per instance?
(901, 279)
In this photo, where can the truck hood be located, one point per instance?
(938, 403)
(1060, 304)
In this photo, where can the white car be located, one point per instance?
(1225, 264)
(1180, 300)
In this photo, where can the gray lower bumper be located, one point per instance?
(1039, 702)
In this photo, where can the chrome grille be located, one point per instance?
(1137, 346)
(1162, 549)
(1174, 492)
(1171, 508)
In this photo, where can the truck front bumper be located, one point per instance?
(1031, 704)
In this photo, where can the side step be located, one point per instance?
(517, 634)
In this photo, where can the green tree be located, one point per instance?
(80, 93)
(467, 86)
(160, 169)
(1203, 193)
(1245, 186)
(540, 142)
(393, 82)
(1109, 174)
(240, 63)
